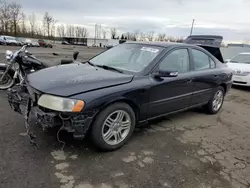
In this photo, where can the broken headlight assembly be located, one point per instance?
(60, 104)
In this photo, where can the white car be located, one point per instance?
(10, 40)
(240, 64)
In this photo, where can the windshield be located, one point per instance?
(241, 58)
(127, 57)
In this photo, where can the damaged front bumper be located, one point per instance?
(76, 123)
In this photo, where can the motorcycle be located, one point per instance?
(21, 63)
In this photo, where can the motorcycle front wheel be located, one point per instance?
(6, 82)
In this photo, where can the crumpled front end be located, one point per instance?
(24, 99)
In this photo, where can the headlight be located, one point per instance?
(60, 104)
(8, 54)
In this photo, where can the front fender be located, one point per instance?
(4, 66)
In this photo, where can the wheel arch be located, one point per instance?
(224, 86)
(129, 102)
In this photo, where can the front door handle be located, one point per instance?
(215, 75)
(188, 80)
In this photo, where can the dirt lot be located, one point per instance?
(186, 150)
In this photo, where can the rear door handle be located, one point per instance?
(215, 75)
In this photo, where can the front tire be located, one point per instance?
(216, 102)
(113, 127)
(7, 81)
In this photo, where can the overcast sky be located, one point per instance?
(229, 18)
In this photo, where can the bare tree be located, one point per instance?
(113, 33)
(179, 39)
(70, 31)
(53, 27)
(83, 32)
(136, 35)
(61, 31)
(47, 23)
(104, 33)
(150, 35)
(15, 15)
(130, 36)
(23, 25)
(32, 22)
(161, 37)
(170, 39)
(5, 16)
(77, 31)
(40, 31)
(142, 36)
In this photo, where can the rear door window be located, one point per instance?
(201, 60)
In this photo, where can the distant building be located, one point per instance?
(239, 45)
(91, 41)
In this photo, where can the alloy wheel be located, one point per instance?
(218, 100)
(116, 127)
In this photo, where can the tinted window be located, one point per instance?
(176, 60)
(201, 60)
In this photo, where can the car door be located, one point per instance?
(170, 94)
(205, 76)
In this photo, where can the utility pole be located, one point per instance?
(95, 33)
(191, 32)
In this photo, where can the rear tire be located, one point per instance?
(216, 102)
(107, 125)
(7, 81)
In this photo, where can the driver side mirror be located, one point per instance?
(75, 55)
(167, 73)
(227, 61)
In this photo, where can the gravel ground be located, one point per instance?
(187, 150)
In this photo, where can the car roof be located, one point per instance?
(160, 44)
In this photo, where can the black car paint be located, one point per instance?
(68, 80)
(150, 97)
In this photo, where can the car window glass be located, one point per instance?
(212, 63)
(241, 58)
(177, 60)
(201, 60)
(128, 57)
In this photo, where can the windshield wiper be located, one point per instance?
(234, 61)
(90, 63)
(110, 68)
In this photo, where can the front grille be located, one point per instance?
(240, 73)
(237, 82)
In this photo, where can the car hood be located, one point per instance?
(68, 80)
(239, 66)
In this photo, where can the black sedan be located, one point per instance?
(127, 85)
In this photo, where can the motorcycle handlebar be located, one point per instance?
(23, 49)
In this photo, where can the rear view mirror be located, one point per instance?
(75, 55)
(167, 73)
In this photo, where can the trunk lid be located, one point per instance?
(211, 43)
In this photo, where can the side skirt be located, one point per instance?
(141, 123)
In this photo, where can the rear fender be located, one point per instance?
(3, 67)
